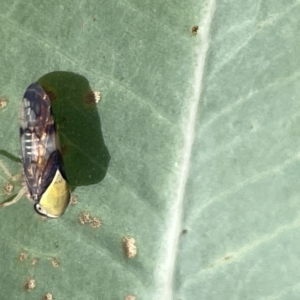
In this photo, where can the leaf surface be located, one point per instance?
(202, 128)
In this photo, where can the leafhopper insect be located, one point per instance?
(44, 174)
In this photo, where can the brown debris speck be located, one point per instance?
(34, 261)
(74, 200)
(54, 262)
(129, 247)
(30, 285)
(3, 102)
(23, 256)
(195, 30)
(92, 97)
(48, 296)
(184, 231)
(95, 223)
(7, 188)
(84, 218)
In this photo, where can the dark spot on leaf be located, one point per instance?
(195, 30)
(227, 257)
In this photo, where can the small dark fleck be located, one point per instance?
(195, 30)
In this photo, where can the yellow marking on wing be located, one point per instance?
(56, 198)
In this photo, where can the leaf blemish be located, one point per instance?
(7, 188)
(23, 256)
(184, 231)
(227, 257)
(3, 102)
(92, 97)
(48, 296)
(129, 247)
(84, 218)
(74, 200)
(30, 285)
(34, 261)
(95, 223)
(55, 262)
(195, 30)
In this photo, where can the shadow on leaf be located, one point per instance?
(85, 155)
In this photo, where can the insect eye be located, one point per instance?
(40, 210)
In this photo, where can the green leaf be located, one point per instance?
(202, 133)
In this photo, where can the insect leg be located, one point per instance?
(5, 169)
(21, 193)
(8, 174)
